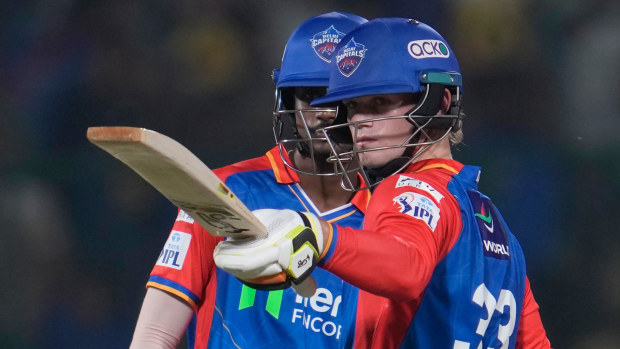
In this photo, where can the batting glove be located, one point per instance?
(288, 253)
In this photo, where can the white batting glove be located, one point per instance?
(287, 254)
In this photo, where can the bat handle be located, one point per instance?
(306, 288)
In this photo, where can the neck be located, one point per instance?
(439, 150)
(325, 192)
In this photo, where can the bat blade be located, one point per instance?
(181, 177)
(186, 181)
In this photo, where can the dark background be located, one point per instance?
(81, 232)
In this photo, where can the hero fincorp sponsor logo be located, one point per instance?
(327, 306)
(318, 313)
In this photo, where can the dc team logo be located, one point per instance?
(492, 231)
(350, 57)
(420, 49)
(324, 43)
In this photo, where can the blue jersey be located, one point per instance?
(445, 270)
(475, 295)
(232, 315)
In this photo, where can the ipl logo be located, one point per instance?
(419, 207)
(324, 43)
(350, 57)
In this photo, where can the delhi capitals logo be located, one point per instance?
(324, 43)
(349, 57)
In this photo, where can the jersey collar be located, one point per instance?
(286, 175)
(361, 198)
(283, 173)
(450, 165)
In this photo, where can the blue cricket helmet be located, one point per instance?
(390, 55)
(311, 48)
(304, 75)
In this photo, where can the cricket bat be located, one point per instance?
(186, 181)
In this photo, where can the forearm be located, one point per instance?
(531, 333)
(162, 321)
(382, 263)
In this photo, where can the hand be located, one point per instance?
(289, 252)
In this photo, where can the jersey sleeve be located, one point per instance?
(407, 231)
(531, 333)
(185, 265)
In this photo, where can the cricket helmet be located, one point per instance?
(388, 56)
(304, 73)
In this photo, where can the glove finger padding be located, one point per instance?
(246, 261)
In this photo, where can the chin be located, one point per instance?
(371, 161)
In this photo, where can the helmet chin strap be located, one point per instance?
(430, 102)
(377, 174)
(396, 165)
(302, 147)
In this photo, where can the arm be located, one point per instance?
(386, 254)
(162, 321)
(531, 333)
(181, 284)
(402, 249)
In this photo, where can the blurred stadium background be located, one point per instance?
(81, 232)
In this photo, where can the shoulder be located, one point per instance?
(422, 195)
(424, 183)
(260, 163)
